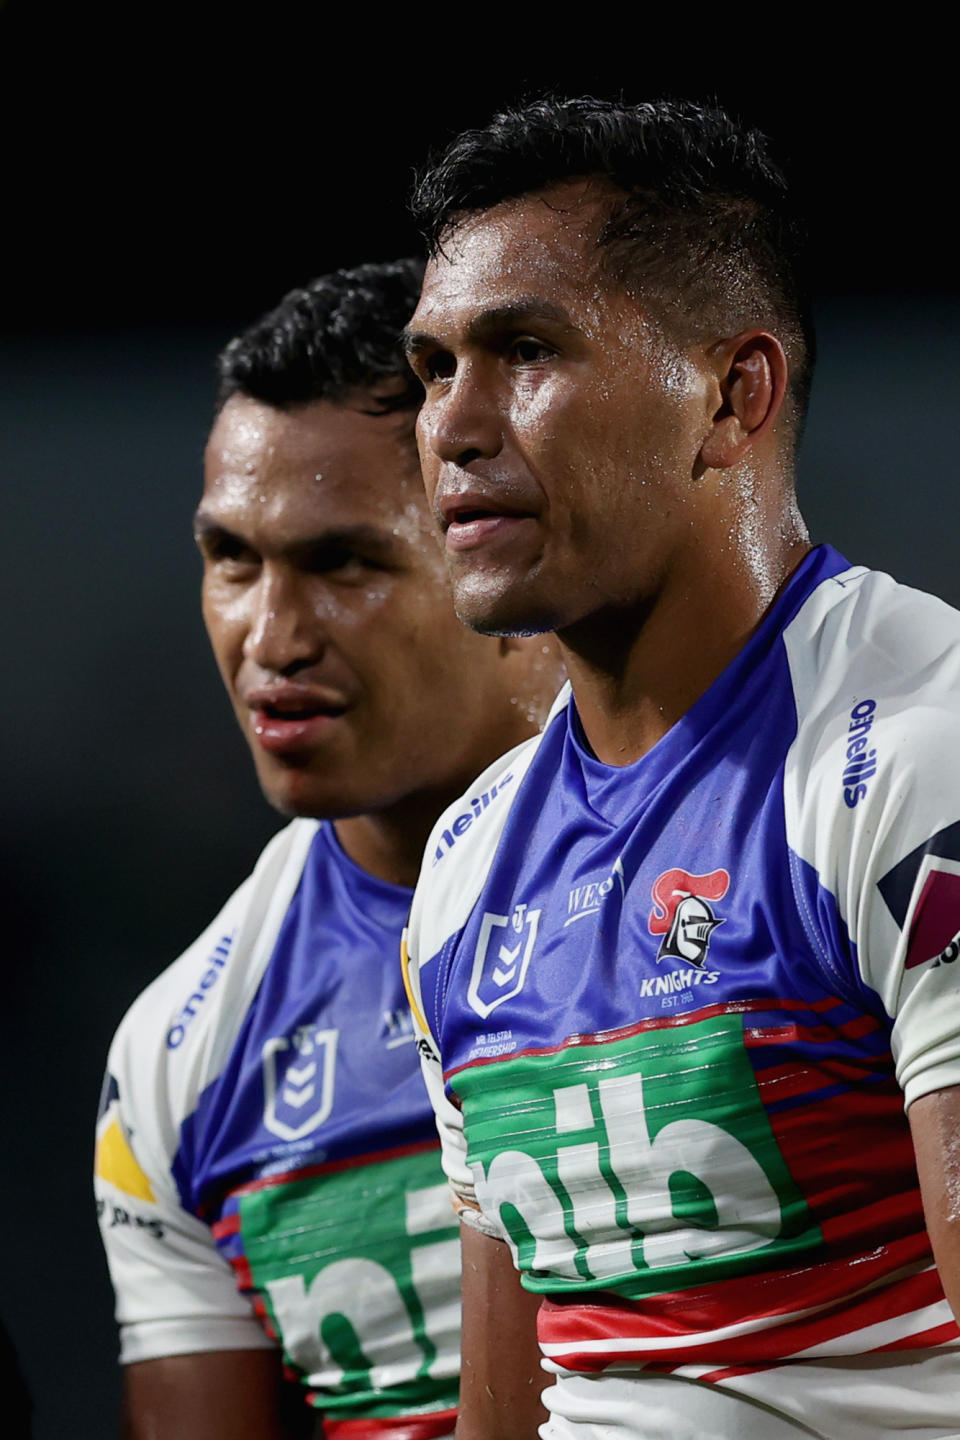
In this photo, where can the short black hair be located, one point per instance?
(700, 222)
(339, 333)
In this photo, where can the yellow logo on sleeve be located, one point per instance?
(115, 1162)
(408, 985)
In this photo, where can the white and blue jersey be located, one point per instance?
(670, 1013)
(268, 1169)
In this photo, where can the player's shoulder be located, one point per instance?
(862, 635)
(875, 667)
(465, 839)
(179, 1031)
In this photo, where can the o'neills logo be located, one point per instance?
(682, 915)
(861, 761)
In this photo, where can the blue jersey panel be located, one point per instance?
(658, 887)
(322, 1066)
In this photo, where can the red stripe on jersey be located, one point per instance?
(570, 1326)
(810, 1034)
(786, 1082)
(922, 1340)
(395, 1427)
(263, 1315)
(228, 1225)
(842, 1152)
(664, 1022)
(242, 1272)
(763, 1295)
(268, 1182)
(925, 1339)
(717, 1376)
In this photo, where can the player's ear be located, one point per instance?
(751, 373)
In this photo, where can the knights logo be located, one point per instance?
(502, 957)
(298, 1081)
(683, 915)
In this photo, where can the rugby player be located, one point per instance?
(268, 1174)
(687, 987)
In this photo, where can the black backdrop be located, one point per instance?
(161, 188)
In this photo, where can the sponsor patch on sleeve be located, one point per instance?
(117, 1165)
(922, 893)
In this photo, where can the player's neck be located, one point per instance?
(638, 673)
(384, 847)
(389, 844)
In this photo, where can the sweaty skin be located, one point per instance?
(501, 1379)
(935, 1125)
(325, 597)
(217, 1395)
(362, 698)
(637, 492)
(633, 493)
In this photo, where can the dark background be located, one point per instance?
(163, 183)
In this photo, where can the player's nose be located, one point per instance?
(461, 422)
(286, 629)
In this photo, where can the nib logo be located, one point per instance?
(682, 915)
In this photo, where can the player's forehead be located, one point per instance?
(347, 462)
(535, 251)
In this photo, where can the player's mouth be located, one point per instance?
(472, 520)
(292, 720)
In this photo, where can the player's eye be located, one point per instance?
(525, 350)
(340, 562)
(440, 365)
(228, 553)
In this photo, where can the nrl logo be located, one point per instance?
(682, 915)
(298, 1081)
(499, 977)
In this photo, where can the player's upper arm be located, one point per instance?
(501, 1378)
(872, 803)
(221, 1395)
(175, 1292)
(873, 814)
(935, 1124)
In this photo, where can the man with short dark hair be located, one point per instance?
(677, 984)
(267, 1170)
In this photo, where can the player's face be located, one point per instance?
(561, 431)
(328, 608)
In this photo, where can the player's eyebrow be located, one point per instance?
(490, 322)
(371, 539)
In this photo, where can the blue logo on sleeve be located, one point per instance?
(215, 963)
(461, 824)
(861, 763)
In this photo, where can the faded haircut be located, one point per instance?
(700, 223)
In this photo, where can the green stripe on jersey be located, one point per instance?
(640, 1164)
(359, 1272)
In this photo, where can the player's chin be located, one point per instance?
(498, 604)
(299, 791)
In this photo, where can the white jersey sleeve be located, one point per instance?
(872, 791)
(175, 1294)
(445, 895)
